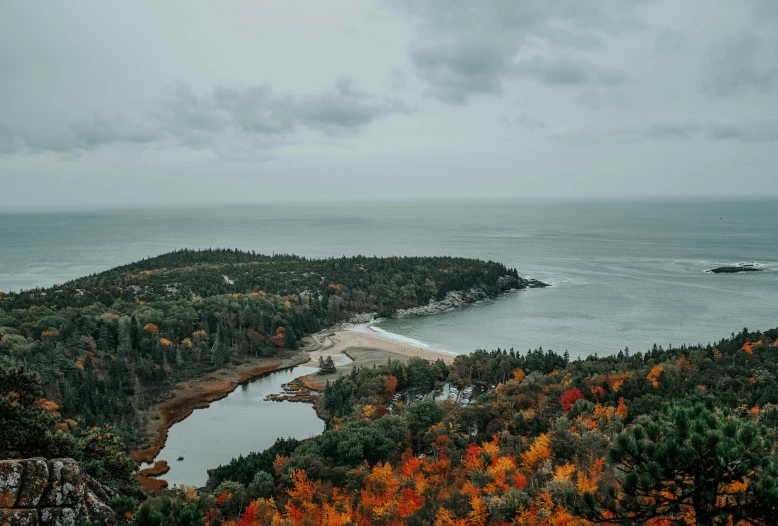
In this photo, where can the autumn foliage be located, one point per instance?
(654, 375)
(570, 397)
(526, 452)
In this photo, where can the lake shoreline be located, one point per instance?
(350, 347)
(197, 394)
(200, 393)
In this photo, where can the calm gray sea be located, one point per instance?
(623, 273)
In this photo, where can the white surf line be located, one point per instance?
(378, 332)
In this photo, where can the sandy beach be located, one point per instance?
(334, 343)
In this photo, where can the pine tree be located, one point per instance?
(134, 333)
(692, 462)
(138, 393)
(326, 366)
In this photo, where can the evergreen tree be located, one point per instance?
(329, 365)
(138, 393)
(125, 336)
(25, 427)
(690, 463)
(326, 366)
(290, 340)
(134, 333)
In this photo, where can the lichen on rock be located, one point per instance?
(37, 492)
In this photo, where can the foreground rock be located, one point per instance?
(37, 492)
(733, 269)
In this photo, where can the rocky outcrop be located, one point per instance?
(40, 492)
(362, 317)
(734, 269)
(452, 300)
(460, 298)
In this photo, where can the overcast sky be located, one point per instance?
(123, 103)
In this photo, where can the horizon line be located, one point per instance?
(118, 207)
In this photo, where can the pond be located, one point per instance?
(239, 424)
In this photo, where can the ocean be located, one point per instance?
(623, 273)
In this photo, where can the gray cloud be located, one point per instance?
(765, 11)
(95, 94)
(669, 41)
(458, 71)
(201, 121)
(463, 49)
(564, 71)
(602, 99)
(526, 122)
(751, 131)
(80, 135)
(9, 141)
(342, 109)
(670, 131)
(186, 111)
(741, 64)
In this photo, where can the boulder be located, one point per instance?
(98, 511)
(66, 485)
(57, 516)
(37, 492)
(34, 482)
(104, 493)
(10, 481)
(21, 517)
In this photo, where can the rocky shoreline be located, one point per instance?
(454, 299)
(461, 298)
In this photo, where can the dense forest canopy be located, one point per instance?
(361, 284)
(107, 346)
(685, 435)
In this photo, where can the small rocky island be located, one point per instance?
(734, 269)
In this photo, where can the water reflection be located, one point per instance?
(238, 424)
